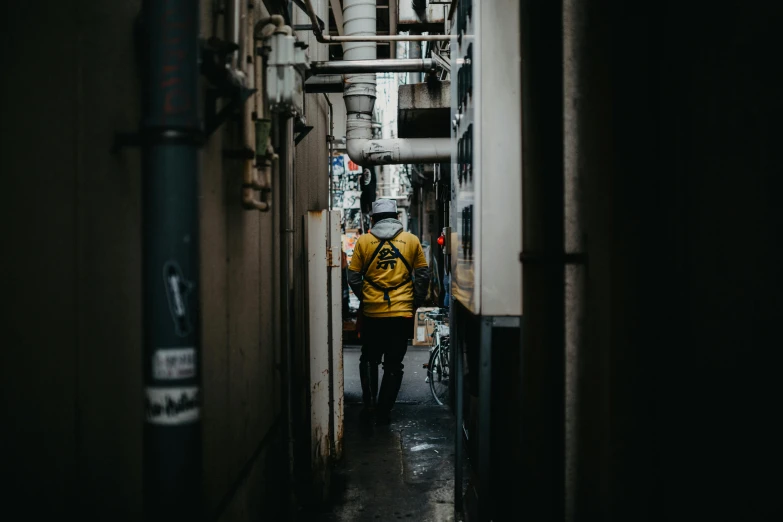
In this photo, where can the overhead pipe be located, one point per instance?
(371, 66)
(348, 37)
(172, 448)
(399, 151)
(332, 83)
(359, 95)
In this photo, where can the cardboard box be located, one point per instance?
(423, 327)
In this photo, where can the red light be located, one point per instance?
(441, 240)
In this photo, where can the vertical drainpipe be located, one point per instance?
(171, 134)
(285, 144)
(359, 94)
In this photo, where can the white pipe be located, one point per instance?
(322, 38)
(359, 19)
(371, 66)
(391, 38)
(359, 95)
(398, 151)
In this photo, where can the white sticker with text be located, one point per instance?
(174, 363)
(172, 405)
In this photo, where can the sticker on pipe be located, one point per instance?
(174, 363)
(172, 406)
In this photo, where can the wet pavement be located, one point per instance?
(404, 471)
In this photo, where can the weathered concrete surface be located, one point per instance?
(424, 110)
(401, 472)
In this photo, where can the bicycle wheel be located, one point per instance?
(438, 374)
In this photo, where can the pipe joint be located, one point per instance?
(367, 152)
(250, 202)
(268, 26)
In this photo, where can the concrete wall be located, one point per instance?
(672, 381)
(683, 279)
(71, 361)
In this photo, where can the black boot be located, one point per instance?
(368, 374)
(390, 387)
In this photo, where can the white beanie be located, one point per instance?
(384, 206)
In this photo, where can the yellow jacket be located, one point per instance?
(388, 269)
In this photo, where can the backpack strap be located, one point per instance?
(381, 242)
(397, 255)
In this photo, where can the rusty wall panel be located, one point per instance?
(311, 192)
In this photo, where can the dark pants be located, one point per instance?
(387, 338)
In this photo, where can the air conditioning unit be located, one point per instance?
(486, 211)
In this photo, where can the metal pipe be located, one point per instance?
(286, 194)
(371, 66)
(331, 140)
(172, 451)
(250, 182)
(399, 151)
(322, 38)
(263, 30)
(391, 38)
(359, 95)
(393, 16)
(333, 83)
(233, 16)
(258, 176)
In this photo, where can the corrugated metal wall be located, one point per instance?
(71, 283)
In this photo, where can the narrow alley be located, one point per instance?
(382, 260)
(401, 472)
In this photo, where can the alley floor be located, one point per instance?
(404, 471)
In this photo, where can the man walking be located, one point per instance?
(389, 274)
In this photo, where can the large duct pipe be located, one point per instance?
(170, 269)
(371, 37)
(399, 151)
(359, 95)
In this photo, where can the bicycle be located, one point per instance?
(438, 365)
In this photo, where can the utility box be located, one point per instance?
(286, 66)
(486, 124)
